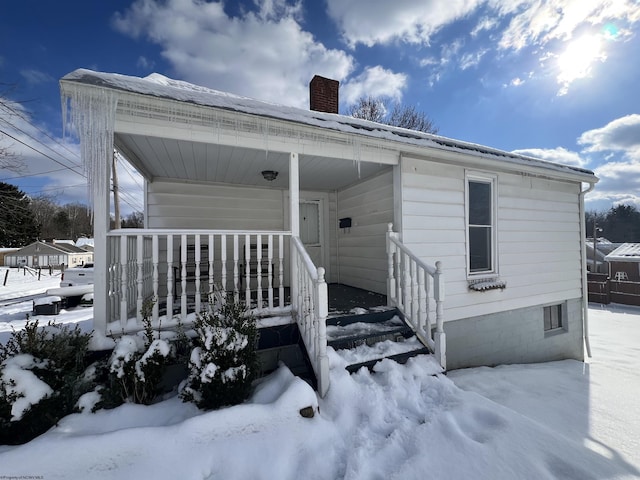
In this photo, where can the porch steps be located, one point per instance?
(366, 338)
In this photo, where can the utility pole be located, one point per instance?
(116, 196)
(595, 242)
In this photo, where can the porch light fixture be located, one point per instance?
(269, 175)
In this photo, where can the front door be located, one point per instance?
(311, 230)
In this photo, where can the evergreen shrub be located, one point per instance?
(41, 379)
(224, 362)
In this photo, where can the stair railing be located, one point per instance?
(411, 287)
(310, 305)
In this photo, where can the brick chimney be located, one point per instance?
(323, 94)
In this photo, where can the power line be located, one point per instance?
(132, 198)
(38, 141)
(58, 188)
(43, 154)
(28, 121)
(126, 167)
(32, 174)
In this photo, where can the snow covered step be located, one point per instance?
(369, 331)
(368, 355)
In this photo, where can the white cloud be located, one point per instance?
(555, 25)
(619, 143)
(35, 77)
(485, 23)
(543, 28)
(52, 166)
(145, 63)
(49, 166)
(371, 22)
(556, 155)
(472, 59)
(538, 23)
(621, 135)
(450, 51)
(619, 183)
(263, 54)
(376, 82)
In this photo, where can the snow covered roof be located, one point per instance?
(44, 248)
(157, 85)
(627, 252)
(84, 241)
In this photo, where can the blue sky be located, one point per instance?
(557, 79)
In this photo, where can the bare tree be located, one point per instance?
(368, 108)
(404, 116)
(79, 220)
(69, 221)
(44, 208)
(8, 160)
(133, 220)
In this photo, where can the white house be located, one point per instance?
(256, 197)
(41, 254)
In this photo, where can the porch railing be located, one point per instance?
(179, 270)
(310, 306)
(417, 290)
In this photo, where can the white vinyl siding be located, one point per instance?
(220, 207)
(537, 236)
(362, 248)
(190, 206)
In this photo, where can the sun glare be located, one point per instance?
(578, 58)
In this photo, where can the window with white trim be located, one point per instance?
(481, 224)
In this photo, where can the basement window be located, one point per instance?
(553, 317)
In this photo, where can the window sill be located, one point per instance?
(484, 284)
(554, 332)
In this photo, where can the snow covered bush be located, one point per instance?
(136, 368)
(137, 365)
(41, 379)
(224, 362)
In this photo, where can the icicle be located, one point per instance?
(356, 153)
(265, 129)
(92, 112)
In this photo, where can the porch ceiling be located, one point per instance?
(157, 157)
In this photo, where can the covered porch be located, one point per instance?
(265, 208)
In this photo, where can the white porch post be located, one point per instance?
(294, 218)
(101, 218)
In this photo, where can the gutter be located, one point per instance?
(585, 288)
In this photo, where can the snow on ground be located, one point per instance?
(17, 296)
(545, 421)
(21, 282)
(593, 403)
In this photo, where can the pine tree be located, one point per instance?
(17, 223)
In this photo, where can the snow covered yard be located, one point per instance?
(544, 421)
(16, 304)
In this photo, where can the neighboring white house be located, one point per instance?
(229, 178)
(41, 254)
